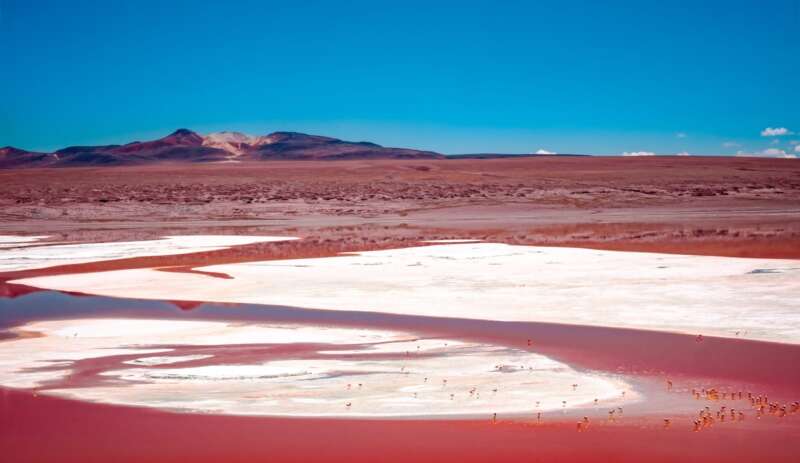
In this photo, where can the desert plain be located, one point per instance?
(549, 308)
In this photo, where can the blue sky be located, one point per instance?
(456, 77)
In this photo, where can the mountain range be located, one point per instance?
(187, 146)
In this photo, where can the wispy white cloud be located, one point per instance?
(773, 152)
(680, 135)
(683, 153)
(775, 132)
(639, 153)
(544, 151)
(768, 153)
(797, 148)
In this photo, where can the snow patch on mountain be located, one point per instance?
(236, 143)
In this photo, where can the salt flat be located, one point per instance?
(733, 297)
(378, 373)
(65, 254)
(9, 241)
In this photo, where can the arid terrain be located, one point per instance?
(705, 205)
(98, 262)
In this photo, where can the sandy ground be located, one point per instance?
(719, 206)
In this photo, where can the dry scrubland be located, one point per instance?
(728, 206)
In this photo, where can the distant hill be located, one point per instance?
(506, 155)
(187, 146)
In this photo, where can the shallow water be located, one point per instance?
(642, 359)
